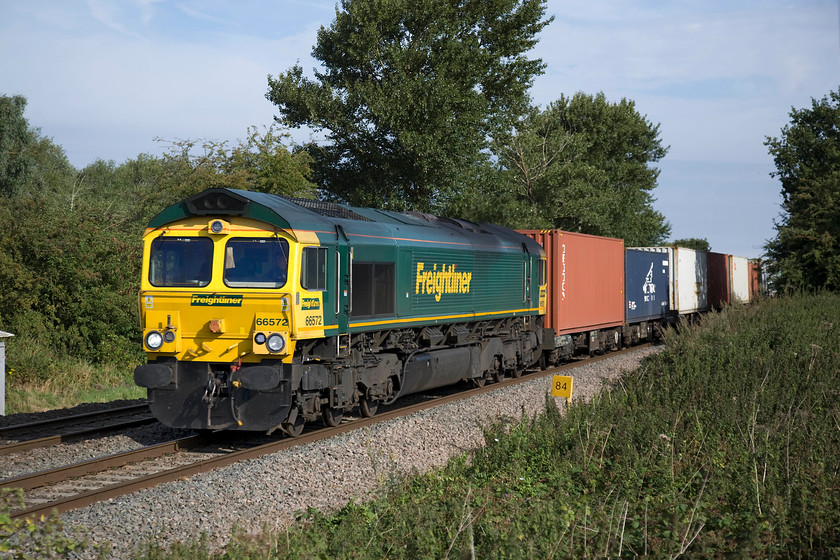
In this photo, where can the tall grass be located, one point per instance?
(725, 444)
(38, 379)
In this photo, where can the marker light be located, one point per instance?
(154, 340)
(260, 338)
(275, 343)
(218, 227)
(168, 336)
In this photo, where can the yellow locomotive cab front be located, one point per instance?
(217, 292)
(216, 305)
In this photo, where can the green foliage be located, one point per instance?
(409, 93)
(16, 138)
(43, 379)
(70, 276)
(806, 251)
(27, 539)
(696, 243)
(70, 250)
(262, 162)
(583, 164)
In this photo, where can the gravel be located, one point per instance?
(84, 450)
(271, 490)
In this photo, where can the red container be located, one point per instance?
(719, 288)
(585, 280)
(755, 279)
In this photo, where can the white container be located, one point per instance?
(691, 285)
(739, 279)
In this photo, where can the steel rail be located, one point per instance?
(17, 447)
(100, 464)
(100, 414)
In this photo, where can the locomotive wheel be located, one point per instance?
(499, 375)
(479, 381)
(368, 407)
(517, 372)
(295, 428)
(332, 416)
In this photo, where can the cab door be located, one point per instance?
(341, 280)
(527, 277)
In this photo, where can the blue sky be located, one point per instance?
(105, 78)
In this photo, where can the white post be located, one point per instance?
(3, 336)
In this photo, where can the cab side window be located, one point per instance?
(314, 269)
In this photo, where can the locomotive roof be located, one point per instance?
(303, 214)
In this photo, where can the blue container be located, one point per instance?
(647, 282)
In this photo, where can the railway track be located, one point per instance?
(44, 433)
(82, 484)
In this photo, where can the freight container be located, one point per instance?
(691, 285)
(585, 289)
(739, 279)
(719, 279)
(648, 276)
(756, 282)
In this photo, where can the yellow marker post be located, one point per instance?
(561, 386)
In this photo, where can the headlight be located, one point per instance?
(154, 340)
(275, 343)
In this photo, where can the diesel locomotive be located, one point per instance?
(261, 312)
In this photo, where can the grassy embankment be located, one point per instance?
(49, 381)
(727, 443)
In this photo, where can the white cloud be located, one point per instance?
(107, 13)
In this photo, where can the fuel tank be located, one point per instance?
(428, 370)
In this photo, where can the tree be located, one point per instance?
(696, 243)
(68, 264)
(806, 251)
(410, 94)
(262, 162)
(585, 165)
(15, 139)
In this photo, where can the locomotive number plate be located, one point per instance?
(271, 321)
